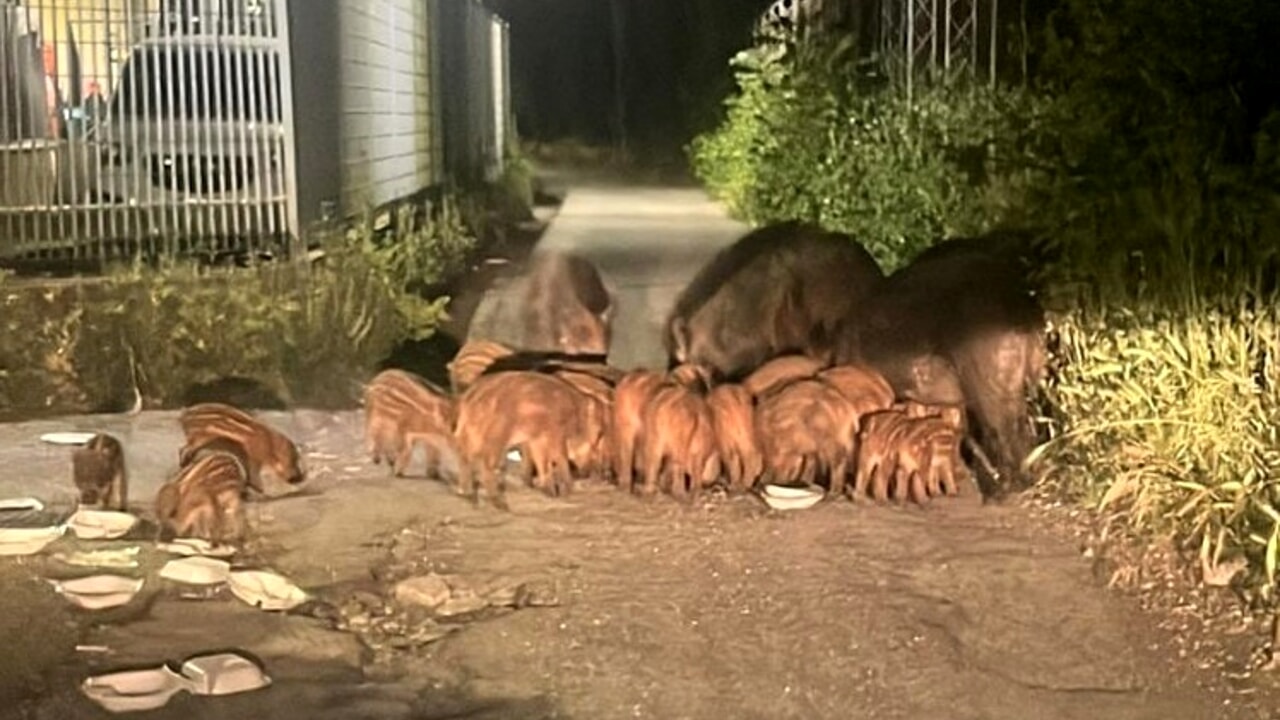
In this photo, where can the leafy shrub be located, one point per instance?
(1148, 150)
(812, 135)
(308, 332)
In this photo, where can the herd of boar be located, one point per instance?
(793, 359)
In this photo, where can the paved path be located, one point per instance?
(647, 243)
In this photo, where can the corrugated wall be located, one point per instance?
(389, 117)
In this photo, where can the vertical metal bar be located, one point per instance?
(910, 35)
(284, 53)
(995, 17)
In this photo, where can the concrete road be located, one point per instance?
(647, 242)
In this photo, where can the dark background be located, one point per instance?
(674, 67)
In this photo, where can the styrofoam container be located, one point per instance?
(88, 524)
(784, 497)
(266, 590)
(151, 688)
(223, 674)
(197, 546)
(67, 438)
(134, 690)
(28, 504)
(196, 570)
(28, 541)
(98, 592)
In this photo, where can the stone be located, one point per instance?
(429, 591)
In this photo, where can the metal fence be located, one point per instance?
(918, 39)
(150, 125)
(168, 126)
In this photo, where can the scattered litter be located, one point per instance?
(98, 592)
(67, 438)
(197, 546)
(26, 503)
(197, 570)
(322, 456)
(266, 590)
(136, 690)
(352, 469)
(101, 524)
(786, 497)
(513, 455)
(111, 558)
(101, 649)
(28, 541)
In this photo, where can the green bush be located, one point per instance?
(1147, 148)
(309, 332)
(812, 135)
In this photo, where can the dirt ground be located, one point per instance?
(646, 609)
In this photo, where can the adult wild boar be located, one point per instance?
(566, 306)
(960, 323)
(782, 288)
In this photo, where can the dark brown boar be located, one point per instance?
(567, 307)
(99, 473)
(205, 498)
(263, 445)
(779, 372)
(807, 431)
(780, 289)
(536, 413)
(964, 308)
(733, 413)
(404, 411)
(471, 361)
(680, 449)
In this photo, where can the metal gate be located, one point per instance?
(153, 126)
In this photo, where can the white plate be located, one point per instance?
(27, 503)
(782, 497)
(97, 592)
(790, 491)
(101, 524)
(196, 571)
(134, 690)
(67, 438)
(266, 590)
(28, 541)
(223, 674)
(197, 546)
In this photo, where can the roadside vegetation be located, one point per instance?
(301, 333)
(1143, 148)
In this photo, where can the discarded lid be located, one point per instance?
(197, 546)
(787, 497)
(196, 570)
(97, 592)
(26, 503)
(100, 524)
(67, 438)
(266, 590)
(223, 674)
(26, 540)
(134, 690)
